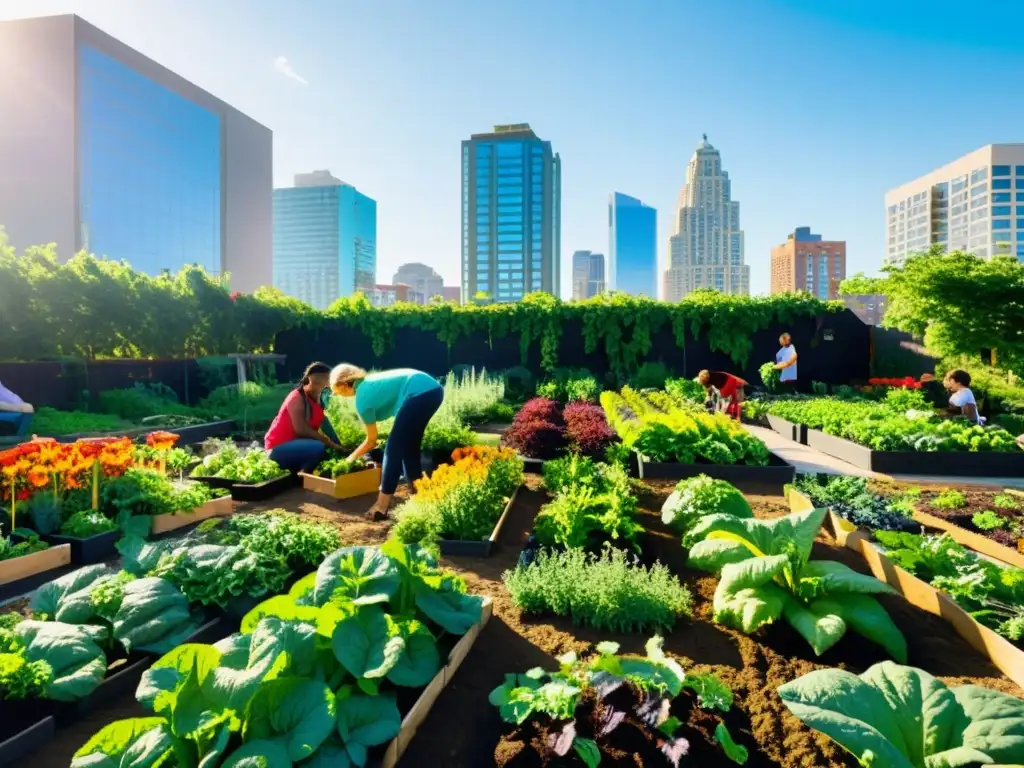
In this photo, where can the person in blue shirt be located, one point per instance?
(410, 397)
(785, 361)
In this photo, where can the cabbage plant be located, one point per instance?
(902, 717)
(698, 497)
(766, 574)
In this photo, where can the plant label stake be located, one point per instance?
(95, 485)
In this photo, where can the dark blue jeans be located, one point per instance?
(405, 442)
(303, 454)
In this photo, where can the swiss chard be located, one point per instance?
(766, 574)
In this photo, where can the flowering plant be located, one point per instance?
(907, 382)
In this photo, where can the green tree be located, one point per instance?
(960, 303)
(859, 284)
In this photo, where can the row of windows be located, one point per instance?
(1005, 223)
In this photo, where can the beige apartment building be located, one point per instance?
(975, 203)
(806, 262)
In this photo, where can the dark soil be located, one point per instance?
(753, 666)
(978, 499)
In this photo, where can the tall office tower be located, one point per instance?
(325, 240)
(632, 246)
(588, 274)
(975, 203)
(805, 262)
(104, 150)
(706, 248)
(511, 214)
(422, 278)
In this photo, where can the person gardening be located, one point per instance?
(785, 361)
(412, 398)
(961, 399)
(301, 433)
(15, 411)
(724, 387)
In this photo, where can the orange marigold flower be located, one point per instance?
(161, 441)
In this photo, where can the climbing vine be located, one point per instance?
(622, 326)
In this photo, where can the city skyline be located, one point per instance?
(288, 73)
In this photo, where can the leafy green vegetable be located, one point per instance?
(902, 717)
(697, 497)
(87, 523)
(73, 653)
(767, 574)
(250, 465)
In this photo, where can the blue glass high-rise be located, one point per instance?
(325, 242)
(511, 214)
(632, 247)
(149, 180)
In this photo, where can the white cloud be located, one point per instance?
(284, 67)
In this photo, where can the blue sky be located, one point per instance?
(818, 106)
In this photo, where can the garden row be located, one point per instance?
(902, 433)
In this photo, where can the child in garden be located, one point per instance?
(724, 388)
(958, 382)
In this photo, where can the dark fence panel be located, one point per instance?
(897, 354)
(71, 385)
(833, 348)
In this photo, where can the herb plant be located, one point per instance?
(336, 466)
(902, 717)
(853, 499)
(950, 498)
(771, 376)
(766, 574)
(624, 695)
(86, 523)
(613, 592)
(30, 542)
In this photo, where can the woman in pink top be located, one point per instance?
(301, 433)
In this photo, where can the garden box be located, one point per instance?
(418, 713)
(774, 476)
(344, 486)
(1007, 657)
(253, 491)
(23, 567)
(27, 740)
(219, 507)
(532, 466)
(481, 548)
(789, 430)
(980, 544)
(94, 549)
(964, 463)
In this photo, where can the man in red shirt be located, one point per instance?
(728, 387)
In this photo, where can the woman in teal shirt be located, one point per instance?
(412, 398)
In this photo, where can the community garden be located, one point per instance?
(586, 576)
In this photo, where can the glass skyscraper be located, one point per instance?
(587, 274)
(325, 241)
(149, 170)
(632, 246)
(511, 214)
(104, 150)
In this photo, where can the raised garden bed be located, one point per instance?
(18, 568)
(418, 713)
(964, 463)
(219, 507)
(1007, 657)
(94, 549)
(344, 486)
(789, 430)
(479, 548)
(27, 740)
(771, 478)
(253, 491)
(190, 435)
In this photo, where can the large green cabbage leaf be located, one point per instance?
(297, 711)
(698, 497)
(72, 650)
(364, 575)
(366, 721)
(140, 742)
(68, 598)
(903, 717)
(765, 574)
(154, 616)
